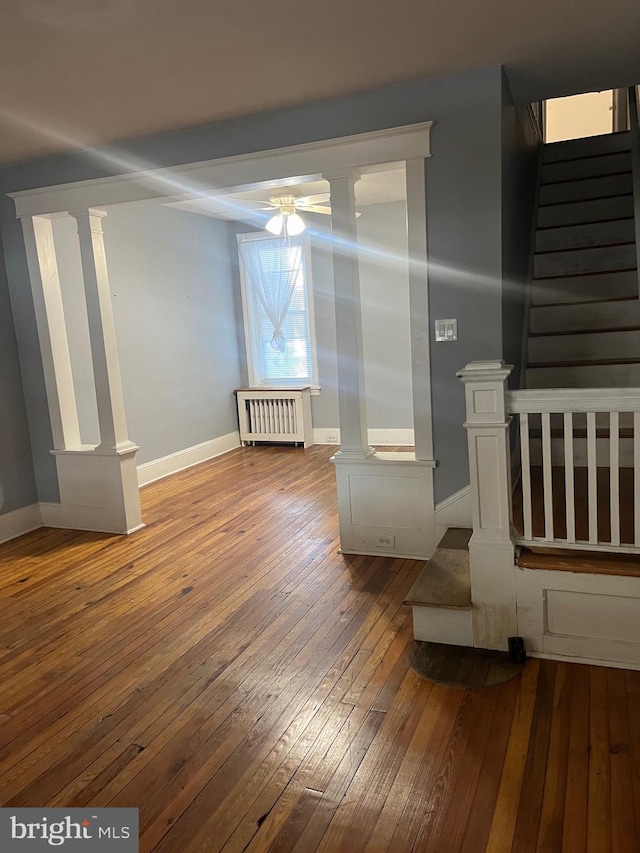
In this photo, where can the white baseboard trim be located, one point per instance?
(399, 437)
(149, 472)
(19, 521)
(454, 511)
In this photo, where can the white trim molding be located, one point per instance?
(229, 174)
(17, 522)
(454, 511)
(149, 472)
(381, 437)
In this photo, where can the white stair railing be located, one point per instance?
(580, 462)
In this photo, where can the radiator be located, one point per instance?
(275, 415)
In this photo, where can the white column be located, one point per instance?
(102, 333)
(354, 443)
(419, 308)
(52, 331)
(491, 549)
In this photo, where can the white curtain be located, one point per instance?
(271, 268)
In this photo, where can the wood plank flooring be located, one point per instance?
(248, 688)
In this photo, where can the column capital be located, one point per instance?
(93, 214)
(342, 174)
(483, 371)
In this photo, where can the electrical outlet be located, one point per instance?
(332, 437)
(386, 540)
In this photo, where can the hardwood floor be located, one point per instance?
(228, 672)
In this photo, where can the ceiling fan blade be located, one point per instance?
(314, 208)
(319, 198)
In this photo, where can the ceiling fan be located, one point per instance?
(286, 209)
(286, 217)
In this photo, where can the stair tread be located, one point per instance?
(626, 171)
(565, 333)
(591, 562)
(445, 581)
(583, 363)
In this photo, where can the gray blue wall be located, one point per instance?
(464, 219)
(175, 323)
(520, 161)
(17, 485)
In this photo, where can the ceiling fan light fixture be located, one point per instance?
(294, 224)
(275, 224)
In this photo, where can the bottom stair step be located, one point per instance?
(441, 596)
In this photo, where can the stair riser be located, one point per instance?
(592, 376)
(620, 285)
(607, 164)
(584, 347)
(440, 625)
(612, 185)
(581, 261)
(578, 318)
(589, 146)
(595, 210)
(584, 236)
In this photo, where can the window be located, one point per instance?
(277, 307)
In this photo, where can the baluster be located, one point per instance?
(592, 474)
(525, 475)
(570, 505)
(614, 476)
(547, 476)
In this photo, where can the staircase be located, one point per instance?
(579, 448)
(585, 314)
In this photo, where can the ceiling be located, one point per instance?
(78, 73)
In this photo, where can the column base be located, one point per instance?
(385, 505)
(98, 490)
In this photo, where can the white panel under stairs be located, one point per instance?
(440, 599)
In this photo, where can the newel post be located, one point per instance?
(491, 548)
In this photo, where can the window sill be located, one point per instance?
(284, 386)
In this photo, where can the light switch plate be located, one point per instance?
(446, 330)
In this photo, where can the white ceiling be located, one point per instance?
(78, 73)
